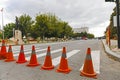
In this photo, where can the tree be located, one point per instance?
(8, 30)
(83, 35)
(41, 26)
(25, 23)
(90, 36)
(67, 30)
(53, 28)
(48, 25)
(45, 25)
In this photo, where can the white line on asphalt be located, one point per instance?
(56, 61)
(25, 50)
(96, 61)
(43, 54)
(31, 51)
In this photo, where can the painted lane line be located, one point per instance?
(25, 50)
(96, 61)
(43, 54)
(56, 61)
(31, 51)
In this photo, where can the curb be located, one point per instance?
(111, 53)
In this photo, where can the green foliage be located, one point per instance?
(90, 36)
(45, 25)
(48, 25)
(41, 26)
(8, 30)
(83, 34)
(25, 23)
(1, 35)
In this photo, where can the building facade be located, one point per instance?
(79, 30)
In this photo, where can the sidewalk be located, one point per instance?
(112, 51)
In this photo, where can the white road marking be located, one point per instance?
(43, 54)
(28, 49)
(96, 61)
(31, 51)
(56, 61)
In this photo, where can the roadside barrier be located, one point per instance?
(33, 60)
(9, 55)
(21, 57)
(88, 69)
(63, 67)
(3, 51)
(48, 61)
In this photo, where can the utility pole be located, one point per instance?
(118, 24)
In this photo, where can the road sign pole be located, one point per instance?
(118, 25)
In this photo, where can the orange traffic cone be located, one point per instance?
(9, 56)
(48, 61)
(21, 57)
(3, 51)
(88, 70)
(33, 60)
(63, 67)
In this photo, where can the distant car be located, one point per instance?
(84, 38)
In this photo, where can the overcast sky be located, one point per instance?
(94, 14)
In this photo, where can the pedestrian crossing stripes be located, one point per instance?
(25, 49)
(43, 54)
(56, 60)
(69, 54)
(28, 52)
(96, 60)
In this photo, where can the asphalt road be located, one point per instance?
(108, 69)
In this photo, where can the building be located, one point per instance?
(79, 30)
